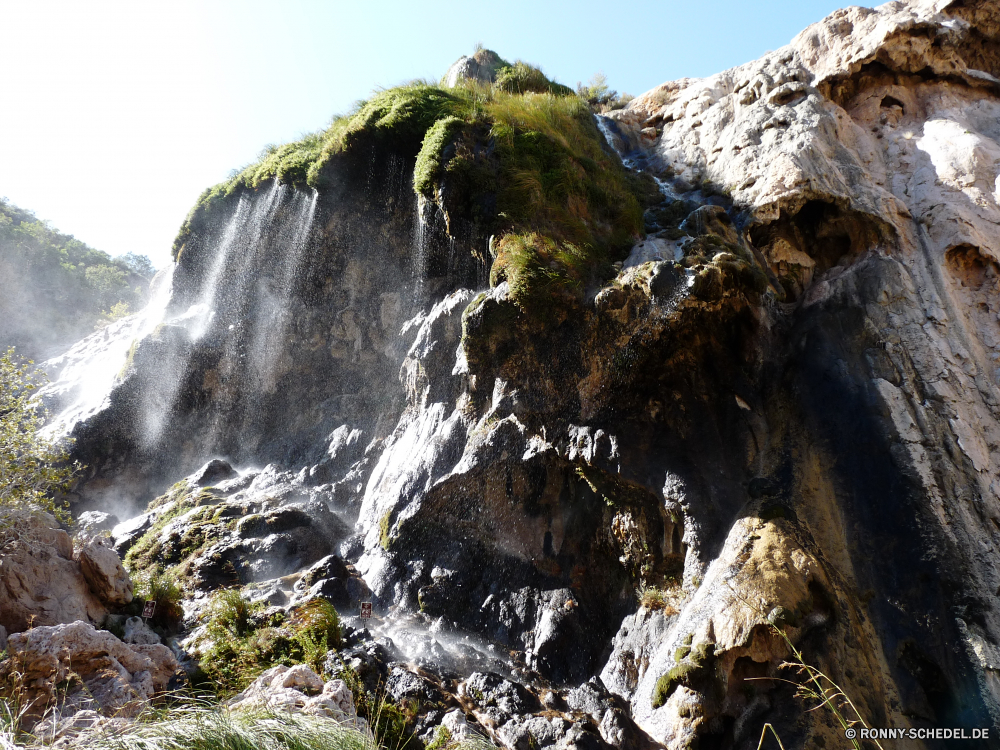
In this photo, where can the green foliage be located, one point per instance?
(245, 642)
(156, 586)
(522, 78)
(319, 618)
(527, 144)
(229, 615)
(428, 170)
(441, 740)
(53, 287)
(538, 268)
(33, 469)
(600, 96)
(204, 727)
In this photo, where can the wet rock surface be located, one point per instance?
(775, 425)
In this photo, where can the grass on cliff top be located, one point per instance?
(553, 177)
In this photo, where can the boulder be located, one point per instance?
(95, 523)
(300, 689)
(92, 669)
(104, 572)
(481, 67)
(127, 533)
(139, 633)
(41, 583)
(213, 472)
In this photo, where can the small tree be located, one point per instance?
(33, 469)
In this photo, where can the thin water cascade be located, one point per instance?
(420, 242)
(248, 316)
(83, 377)
(274, 314)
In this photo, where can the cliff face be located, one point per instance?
(782, 412)
(862, 164)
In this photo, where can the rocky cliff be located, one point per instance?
(617, 488)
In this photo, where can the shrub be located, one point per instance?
(153, 585)
(245, 640)
(522, 78)
(319, 618)
(229, 615)
(33, 469)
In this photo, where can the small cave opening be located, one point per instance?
(675, 541)
(888, 102)
(970, 268)
(800, 247)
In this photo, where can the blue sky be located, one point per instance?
(116, 115)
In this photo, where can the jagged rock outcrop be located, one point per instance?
(481, 67)
(73, 667)
(300, 689)
(778, 417)
(42, 583)
(103, 571)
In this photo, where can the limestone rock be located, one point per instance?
(139, 633)
(94, 523)
(213, 472)
(107, 675)
(105, 573)
(41, 583)
(481, 67)
(300, 689)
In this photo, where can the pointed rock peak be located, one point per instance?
(482, 66)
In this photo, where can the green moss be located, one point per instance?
(385, 529)
(428, 170)
(668, 683)
(695, 667)
(202, 528)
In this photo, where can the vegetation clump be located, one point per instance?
(170, 548)
(33, 470)
(524, 150)
(200, 727)
(245, 639)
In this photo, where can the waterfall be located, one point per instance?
(242, 307)
(82, 378)
(243, 301)
(420, 243)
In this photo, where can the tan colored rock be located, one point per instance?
(300, 689)
(864, 159)
(91, 668)
(41, 583)
(105, 573)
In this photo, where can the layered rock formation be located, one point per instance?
(779, 420)
(56, 665)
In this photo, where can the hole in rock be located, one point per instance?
(888, 102)
(547, 545)
(970, 268)
(801, 247)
